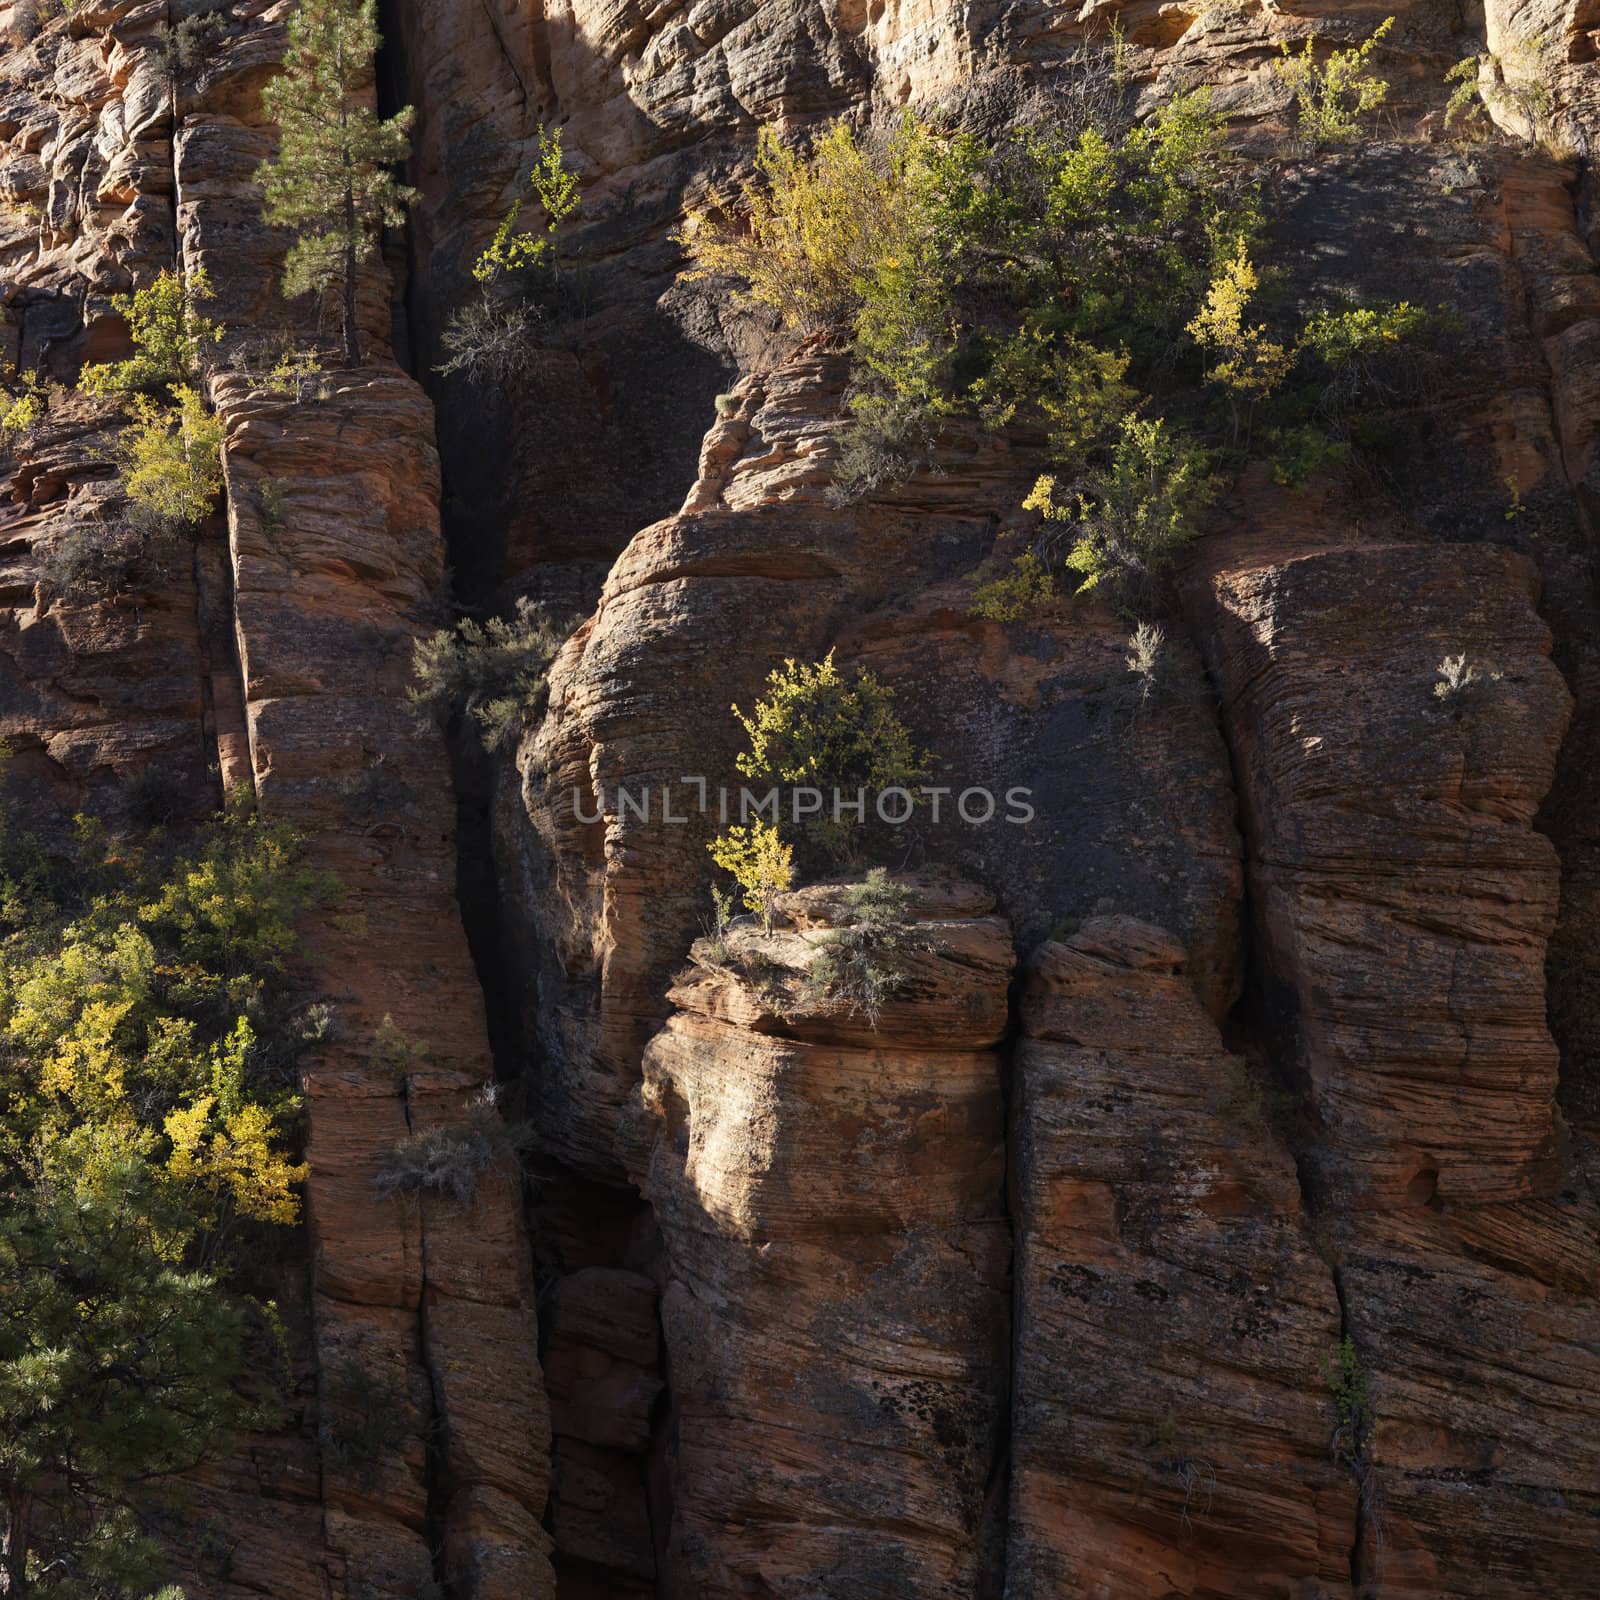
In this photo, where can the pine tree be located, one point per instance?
(332, 179)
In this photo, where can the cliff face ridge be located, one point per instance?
(1271, 1036)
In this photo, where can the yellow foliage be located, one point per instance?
(761, 863)
(1333, 97)
(171, 459)
(1248, 363)
(821, 230)
(234, 1157)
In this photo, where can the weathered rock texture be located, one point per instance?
(324, 591)
(1156, 1211)
(822, 1247)
(835, 1306)
(1404, 904)
(281, 662)
(1130, 806)
(1402, 899)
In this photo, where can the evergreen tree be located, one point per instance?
(332, 179)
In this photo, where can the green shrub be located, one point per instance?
(1514, 83)
(1334, 96)
(493, 672)
(866, 962)
(145, 1157)
(497, 338)
(21, 413)
(1352, 1402)
(1365, 355)
(515, 250)
(189, 42)
(1076, 390)
(1298, 454)
(816, 231)
(1133, 516)
(816, 728)
(1008, 589)
(1246, 364)
(396, 1052)
(95, 557)
(171, 460)
(170, 336)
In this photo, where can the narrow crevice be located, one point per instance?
(389, 70)
(1359, 1457)
(993, 1566)
(1262, 1027)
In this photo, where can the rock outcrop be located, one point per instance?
(1404, 903)
(830, 1196)
(1339, 1081)
(330, 572)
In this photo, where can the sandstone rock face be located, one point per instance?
(1129, 804)
(1402, 898)
(1404, 904)
(328, 575)
(791, 1366)
(280, 660)
(1156, 1213)
(835, 1304)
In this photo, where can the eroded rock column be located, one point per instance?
(336, 549)
(836, 1277)
(1174, 1319)
(1404, 902)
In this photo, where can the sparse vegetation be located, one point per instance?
(717, 928)
(514, 250)
(492, 341)
(95, 557)
(396, 1052)
(1146, 650)
(272, 501)
(22, 412)
(171, 461)
(1245, 363)
(1514, 84)
(1334, 95)
(452, 1160)
(817, 728)
(497, 338)
(1130, 517)
(865, 962)
(1352, 1401)
(493, 672)
(1457, 680)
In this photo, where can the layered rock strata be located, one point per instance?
(1404, 904)
(1170, 1422)
(835, 1300)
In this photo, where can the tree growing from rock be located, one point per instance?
(333, 178)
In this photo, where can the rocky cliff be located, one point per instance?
(1271, 1043)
